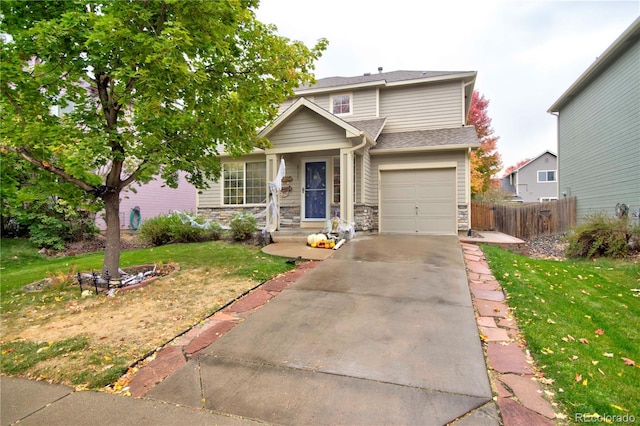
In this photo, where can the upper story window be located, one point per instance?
(244, 183)
(546, 175)
(342, 104)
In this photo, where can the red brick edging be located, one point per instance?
(515, 384)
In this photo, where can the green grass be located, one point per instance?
(21, 264)
(581, 321)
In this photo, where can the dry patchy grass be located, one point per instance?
(119, 330)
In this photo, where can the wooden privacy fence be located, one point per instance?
(524, 220)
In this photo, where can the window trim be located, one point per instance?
(335, 167)
(555, 176)
(350, 95)
(547, 199)
(244, 184)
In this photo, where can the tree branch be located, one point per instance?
(15, 104)
(44, 165)
(133, 176)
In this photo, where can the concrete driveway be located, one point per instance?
(381, 332)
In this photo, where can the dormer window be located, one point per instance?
(341, 104)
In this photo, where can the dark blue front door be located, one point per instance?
(315, 190)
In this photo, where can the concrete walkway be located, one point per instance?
(383, 331)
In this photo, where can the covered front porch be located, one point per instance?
(317, 187)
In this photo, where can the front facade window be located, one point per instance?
(341, 104)
(244, 183)
(546, 175)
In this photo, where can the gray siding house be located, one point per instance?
(535, 181)
(386, 152)
(599, 130)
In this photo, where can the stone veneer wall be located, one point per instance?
(366, 217)
(223, 215)
(463, 217)
(289, 217)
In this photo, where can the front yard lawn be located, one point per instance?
(88, 342)
(581, 322)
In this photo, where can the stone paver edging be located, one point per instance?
(516, 388)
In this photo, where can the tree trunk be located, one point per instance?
(111, 262)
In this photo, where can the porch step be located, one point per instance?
(292, 235)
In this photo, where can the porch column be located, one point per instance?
(346, 184)
(272, 172)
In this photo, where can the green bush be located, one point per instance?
(243, 225)
(177, 228)
(53, 231)
(602, 236)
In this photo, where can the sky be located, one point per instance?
(526, 53)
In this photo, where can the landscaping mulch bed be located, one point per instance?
(547, 247)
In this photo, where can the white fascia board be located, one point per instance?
(422, 149)
(302, 92)
(466, 75)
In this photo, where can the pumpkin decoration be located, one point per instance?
(314, 239)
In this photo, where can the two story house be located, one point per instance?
(386, 152)
(534, 181)
(599, 131)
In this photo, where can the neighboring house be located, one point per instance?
(388, 152)
(599, 130)
(534, 181)
(152, 199)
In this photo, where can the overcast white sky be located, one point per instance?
(526, 53)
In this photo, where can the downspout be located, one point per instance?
(557, 115)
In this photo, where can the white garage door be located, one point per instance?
(418, 201)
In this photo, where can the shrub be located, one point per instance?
(243, 225)
(177, 228)
(53, 232)
(602, 235)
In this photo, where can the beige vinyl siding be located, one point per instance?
(363, 102)
(211, 197)
(306, 130)
(599, 134)
(424, 159)
(323, 101)
(422, 107)
(292, 164)
(368, 196)
(364, 105)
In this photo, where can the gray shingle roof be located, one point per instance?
(465, 136)
(371, 127)
(389, 77)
